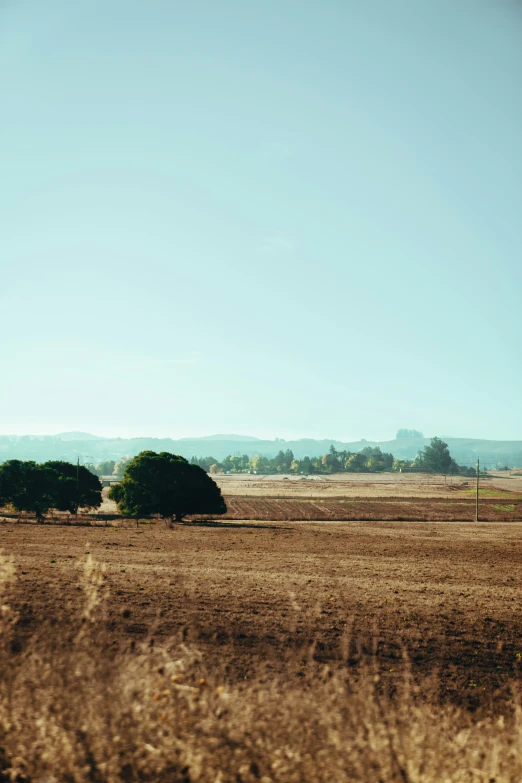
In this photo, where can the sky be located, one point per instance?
(278, 218)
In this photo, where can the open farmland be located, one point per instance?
(267, 645)
(448, 593)
(504, 508)
(347, 497)
(366, 496)
(371, 496)
(368, 485)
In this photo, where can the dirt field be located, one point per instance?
(449, 593)
(366, 496)
(283, 509)
(367, 485)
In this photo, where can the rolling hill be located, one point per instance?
(91, 448)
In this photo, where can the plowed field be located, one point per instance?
(255, 592)
(392, 509)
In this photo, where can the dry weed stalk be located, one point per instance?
(72, 711)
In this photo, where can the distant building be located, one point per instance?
(108, 481)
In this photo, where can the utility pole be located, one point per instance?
(477, 493)
(77, 485)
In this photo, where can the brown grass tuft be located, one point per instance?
(72, 710)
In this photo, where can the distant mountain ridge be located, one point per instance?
(92, 448)
(234, 438)
(74, 436)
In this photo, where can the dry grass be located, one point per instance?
(73, 709)
(446, 592)
(343, 497)
(365, 485)
(319, 509)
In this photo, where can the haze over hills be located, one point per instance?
(234, 438)
(92, 448)
(75, 436)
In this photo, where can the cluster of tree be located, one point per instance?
(168, 485)
(105, 468)
(435, 458)
(27, 486)
(403, 433)
(370, 459)
(164, 484)
(109, 467)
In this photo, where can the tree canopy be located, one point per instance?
(77, 487)
(168, 485)
(370, 459)
(404, 433)
(28, 486)
(436, 458)
(104, 468)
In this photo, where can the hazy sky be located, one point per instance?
(269, 217)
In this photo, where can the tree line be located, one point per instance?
(162, 484)
(434, 458)
(33, 487)
(171, 487)
(109, 467)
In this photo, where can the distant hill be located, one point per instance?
(91, 448)
(229, 438)
(83, 436)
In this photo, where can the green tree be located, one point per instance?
(306, 465)
(404, 433)
(76, 488)
(259, 464)
(228, 464)
(166, 484)
(331, 461)
(119, 468)
(289, 458)
(400, 464)
(316, 465)
(106, 468)
(387, 459)
(279, 461)
(375, 459)
(241, 462)
(28, 486)
(356, 463)
(204, 462)
(436, 458)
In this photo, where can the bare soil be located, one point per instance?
(255, 592)
(380, 509)
(371, 485)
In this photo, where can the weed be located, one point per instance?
(71, 710)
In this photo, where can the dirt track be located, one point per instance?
(449, 592)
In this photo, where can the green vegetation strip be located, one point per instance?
(494, 493)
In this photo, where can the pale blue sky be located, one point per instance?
(278, 218)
